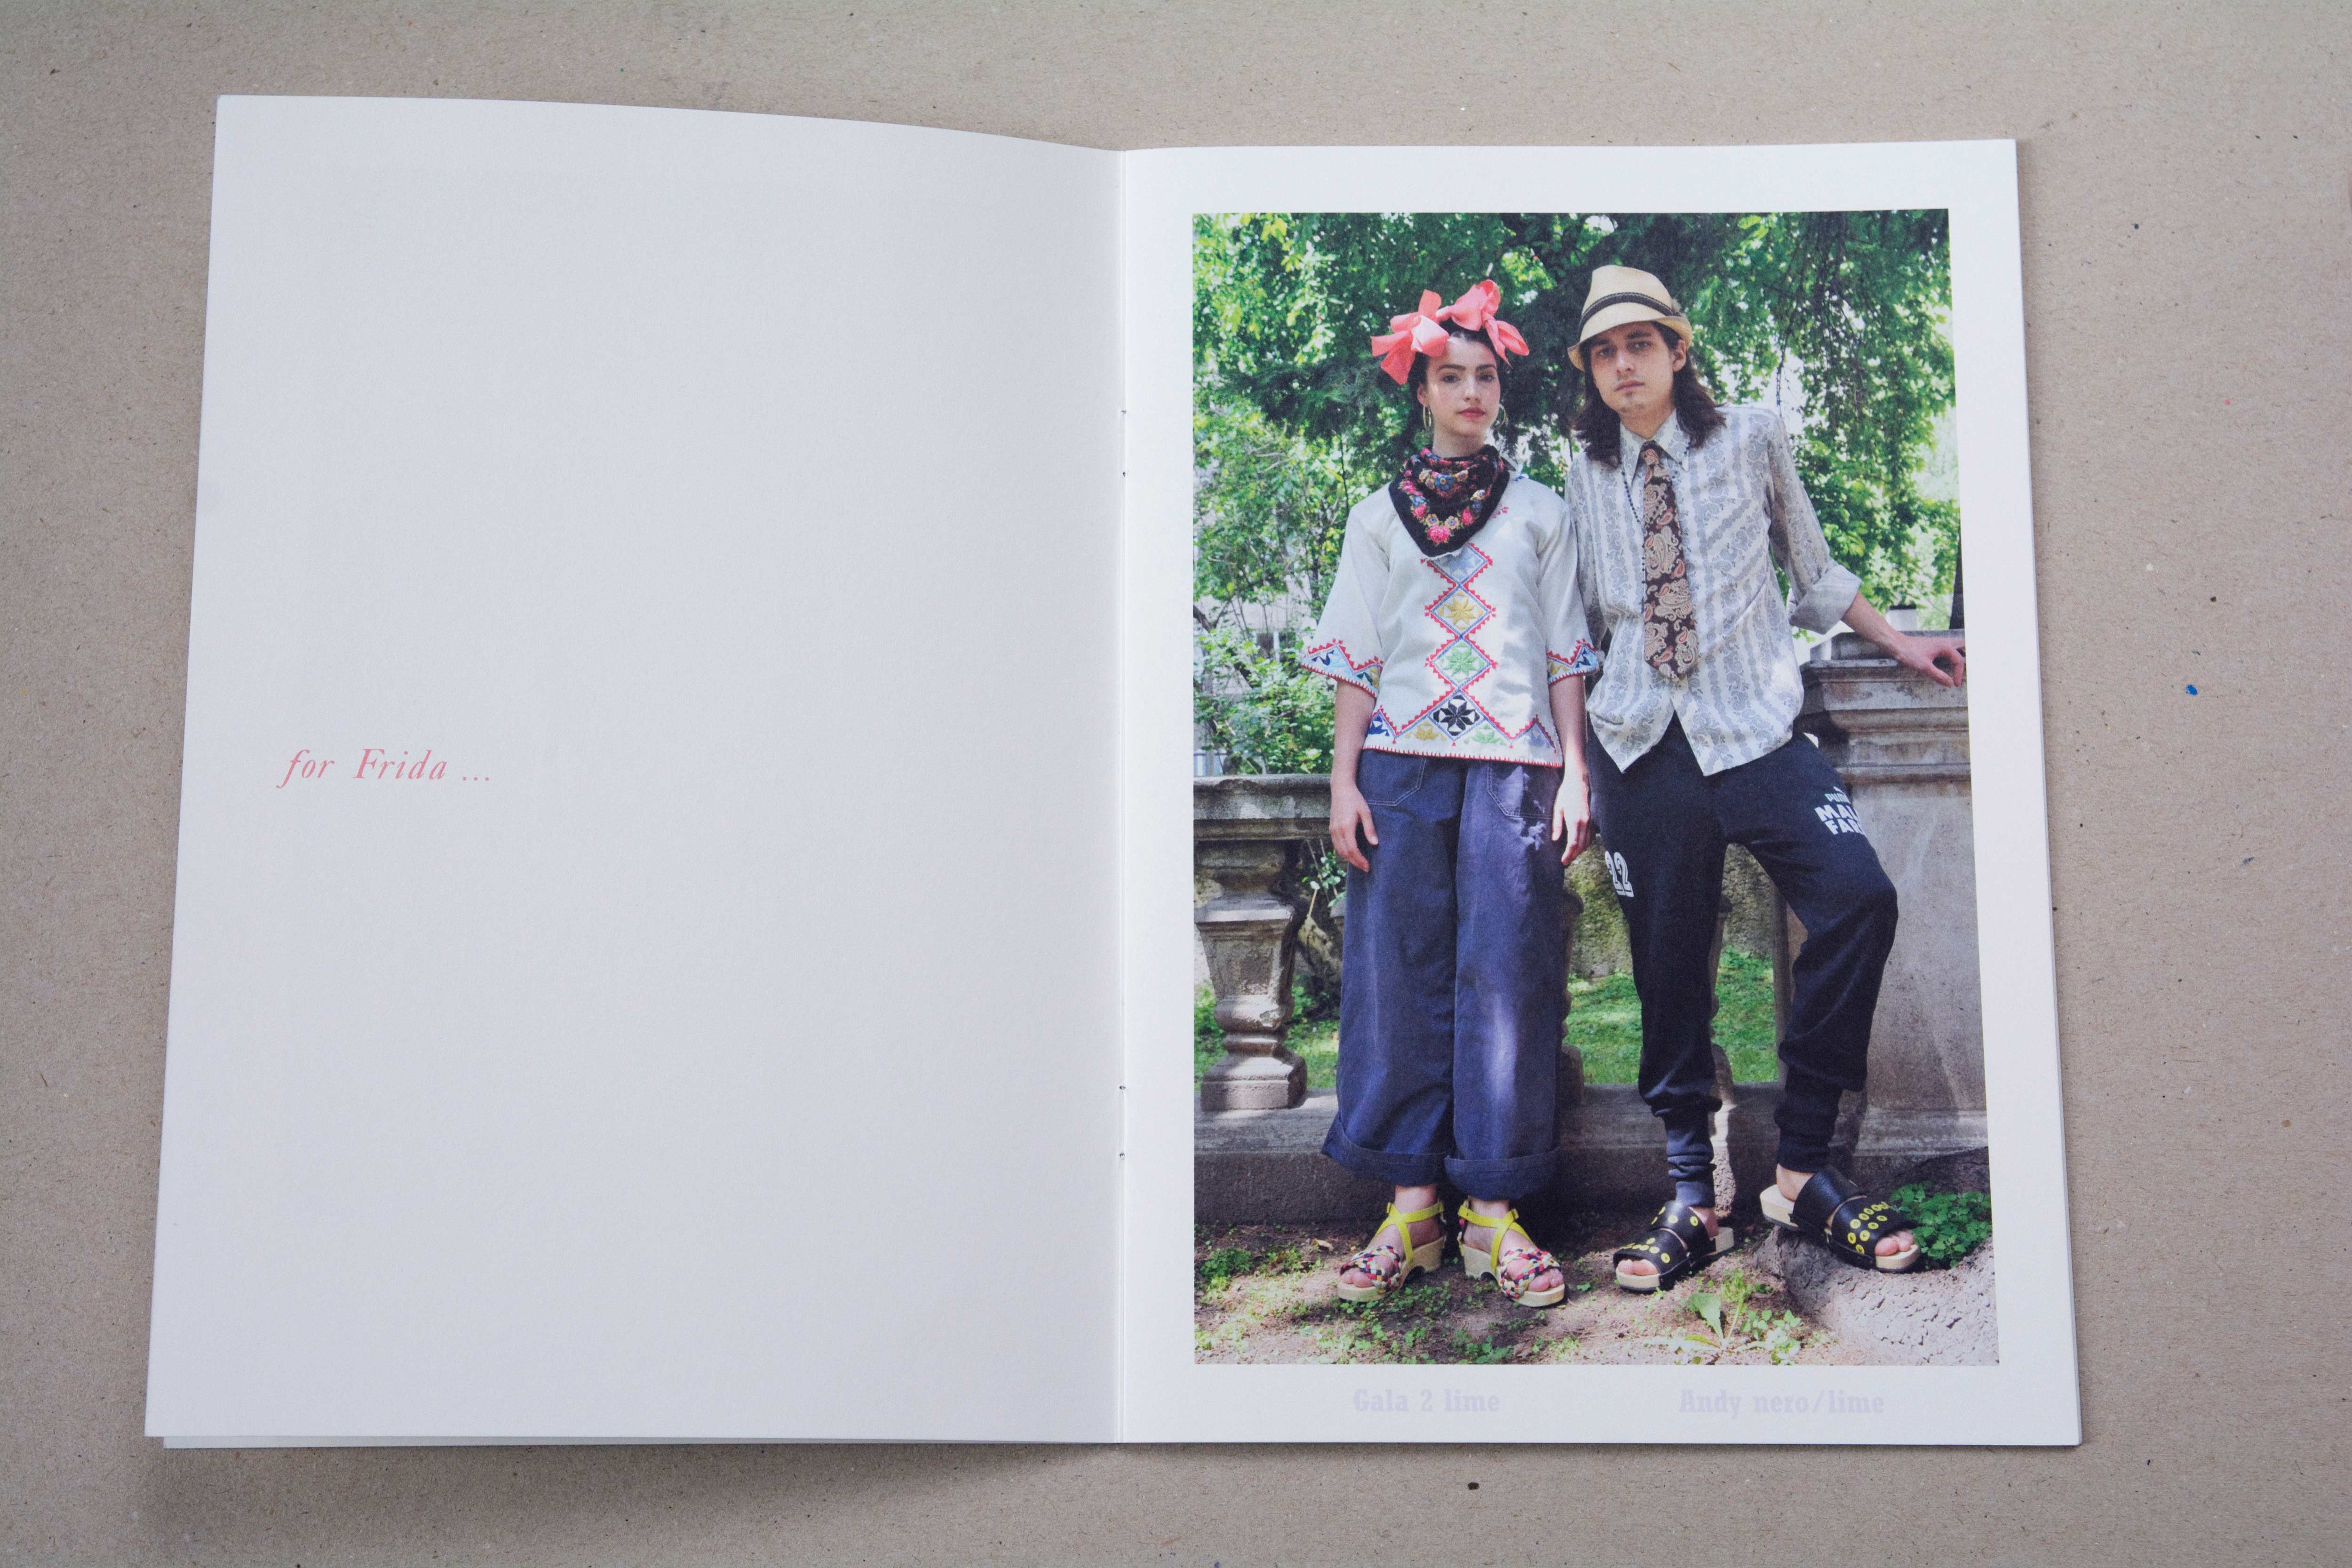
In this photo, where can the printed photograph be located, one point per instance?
(1586, 965)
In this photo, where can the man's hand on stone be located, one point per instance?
(1943, 659)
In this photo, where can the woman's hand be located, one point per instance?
(1348, 811)
(1571, 814)
(1351, 717)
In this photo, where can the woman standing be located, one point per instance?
(1458, 791)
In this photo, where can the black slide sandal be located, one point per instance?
(1676, 1244)
(1833, 1211)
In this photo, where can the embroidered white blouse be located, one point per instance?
(1459, 649)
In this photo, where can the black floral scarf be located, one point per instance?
(1442, 501)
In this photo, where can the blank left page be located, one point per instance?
(646, 923)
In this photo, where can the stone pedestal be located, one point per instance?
(1901, 742)
(1243, 829)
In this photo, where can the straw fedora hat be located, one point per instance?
(1623, 294)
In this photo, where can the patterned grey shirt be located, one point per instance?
(1743, 512)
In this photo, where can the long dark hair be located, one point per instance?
(1411, 440)
(1596, 425)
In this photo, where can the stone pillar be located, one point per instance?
(1243, 829)
(1901, 742)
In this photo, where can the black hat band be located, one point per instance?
(1665, 307)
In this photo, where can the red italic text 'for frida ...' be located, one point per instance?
(373, 764)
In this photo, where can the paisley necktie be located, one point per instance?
(1669, 630)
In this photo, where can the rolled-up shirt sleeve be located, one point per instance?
(1819, 590)
(1346, 643)
(1568, 646)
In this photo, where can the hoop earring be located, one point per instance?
(1502, 415)
(1427, 427)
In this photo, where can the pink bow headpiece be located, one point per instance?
(1423, 331)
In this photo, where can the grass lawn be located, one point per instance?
(1605, 1022)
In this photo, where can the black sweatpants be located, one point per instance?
(1663, 825)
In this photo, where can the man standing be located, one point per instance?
(1683, 510)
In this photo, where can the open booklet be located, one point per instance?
(686, 923)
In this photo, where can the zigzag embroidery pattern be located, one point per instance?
(1578, 660)
(1331, 656)
(1460, 663)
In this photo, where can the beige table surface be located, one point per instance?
(2187, 177)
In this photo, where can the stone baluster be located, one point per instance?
(1244, 831)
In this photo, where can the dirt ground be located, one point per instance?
(1268, 1294)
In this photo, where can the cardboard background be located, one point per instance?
(2187, 188)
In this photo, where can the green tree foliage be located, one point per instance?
(1262, 707)
(1837, 318)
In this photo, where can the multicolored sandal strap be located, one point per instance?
(1517, 1277)
(1382, 1261)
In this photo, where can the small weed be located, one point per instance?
(1361, 1338)
(1949, 1226)
(1222, 1267)
(1224, 1336)
(1730, 1322)
(1473, 1350)
(1421, 1297)
(1335, 1341)
(1298, 1259)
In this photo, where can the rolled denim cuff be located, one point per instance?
(1406, 1169)
(1522, 1175)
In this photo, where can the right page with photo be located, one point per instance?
(1578, 621)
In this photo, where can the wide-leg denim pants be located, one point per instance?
(1454, 978)
(1663, 825)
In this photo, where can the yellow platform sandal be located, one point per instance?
(1512, 1279)
(1390, 1266)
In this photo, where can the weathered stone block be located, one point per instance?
(1901, 742)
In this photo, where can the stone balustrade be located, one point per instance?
(1245, 828)
(1901, 742)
